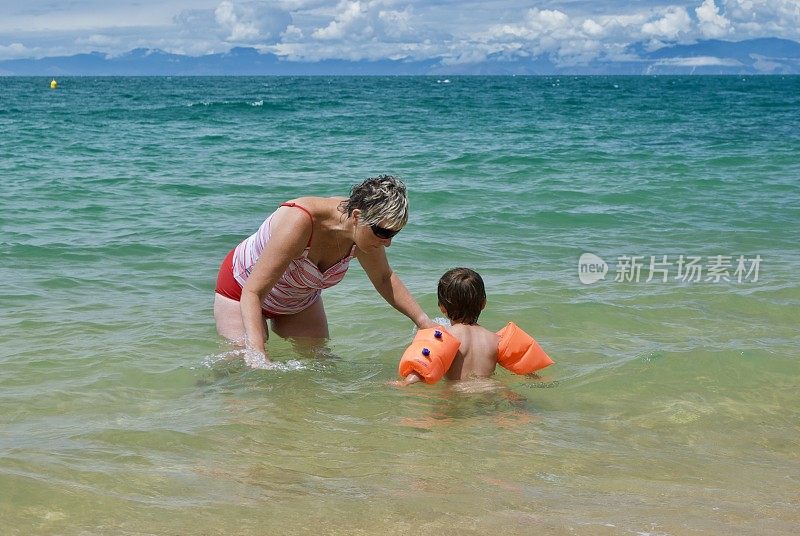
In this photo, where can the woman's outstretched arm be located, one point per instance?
(391, 288)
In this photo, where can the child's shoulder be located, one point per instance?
(474, 330)
(458, 329)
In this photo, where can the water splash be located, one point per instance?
(252, 360)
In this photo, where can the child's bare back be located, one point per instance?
(477, 355)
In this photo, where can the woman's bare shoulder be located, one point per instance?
(318, 205)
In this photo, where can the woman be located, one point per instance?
(278, 273)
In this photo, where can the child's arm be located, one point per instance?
(408, 380)
(411, 378)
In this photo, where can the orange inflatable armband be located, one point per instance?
(519, 352)
(430, 355)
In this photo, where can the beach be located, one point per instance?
(672, 407)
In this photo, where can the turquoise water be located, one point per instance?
(673, 407)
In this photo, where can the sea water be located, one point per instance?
(673, 406)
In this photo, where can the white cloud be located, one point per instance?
(570, 31)
(355, 21)
(537, 24)
(766, 65)
(239, 29)
(579, 40)
(292, 34)
(303, 5)
(397, 24)
(99, 40)
(699, 61)
(250, 22)
(579, 51)
(761, 18)
(548, 20)
(473, 55)
(590, 27)
(361, 30)
(14, 51)
(675, 21)
(351, 22)
(231, 23)
(712, 24)
(544, 31)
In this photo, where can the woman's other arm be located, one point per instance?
(291, 230)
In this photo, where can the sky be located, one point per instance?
(573, 32)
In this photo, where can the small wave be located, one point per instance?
(478, 385)
(286, 366)
(234, 104)
(252, 360)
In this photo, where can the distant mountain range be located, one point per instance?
(754, 56)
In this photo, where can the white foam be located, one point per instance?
(253, 360)
(442, 321)
(287, 366)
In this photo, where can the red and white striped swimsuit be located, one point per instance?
(302, 282)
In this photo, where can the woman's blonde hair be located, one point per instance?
(381, 200)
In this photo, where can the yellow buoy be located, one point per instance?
(53, 84)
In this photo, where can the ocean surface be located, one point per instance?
(674, 406)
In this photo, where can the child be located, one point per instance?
(462, 297)
(466, 349)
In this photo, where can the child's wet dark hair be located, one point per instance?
(462, 294)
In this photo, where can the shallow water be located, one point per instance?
(672, 408)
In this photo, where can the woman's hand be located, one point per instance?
(255, 359)
(425, 323)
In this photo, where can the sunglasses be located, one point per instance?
(383, 233)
